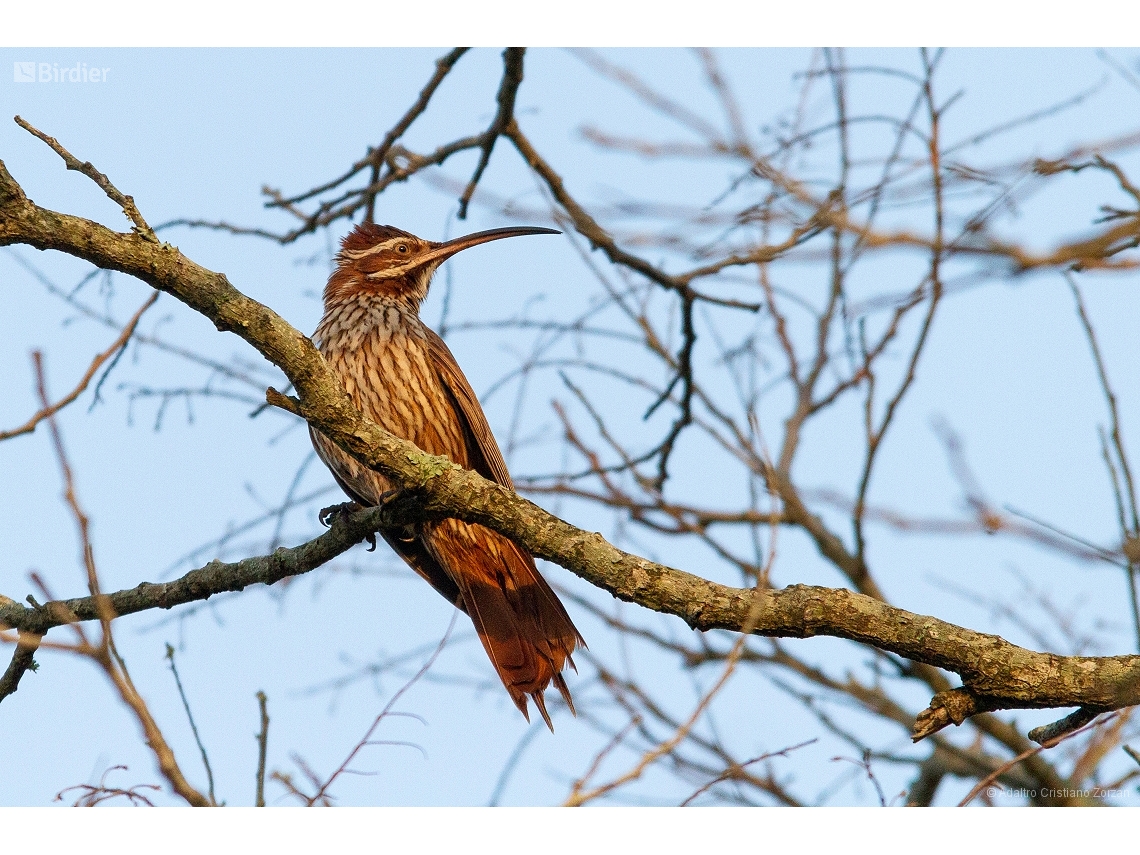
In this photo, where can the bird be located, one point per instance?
(401, 375)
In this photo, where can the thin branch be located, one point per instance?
(1057, 740)
(193, 725)
(105, 654)
(508, 89)
(127, 203)
(93, 795)
(262, 748)
(513, 762)
(579, 796)
(734, 770)
(23, 660)
(875, 435)
(379, 155)
(321, 793)
(1070, 723)
(116, 348)
(1126, 497)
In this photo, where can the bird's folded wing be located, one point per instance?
(483, 452)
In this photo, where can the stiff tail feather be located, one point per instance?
(523, 626)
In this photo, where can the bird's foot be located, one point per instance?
(327, 515)
(391, 495)
(391, 498)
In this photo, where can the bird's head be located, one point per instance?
(392, 262)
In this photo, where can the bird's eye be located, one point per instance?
(402, 248)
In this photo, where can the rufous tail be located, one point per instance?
(522, 624)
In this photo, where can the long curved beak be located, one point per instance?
(442, 251)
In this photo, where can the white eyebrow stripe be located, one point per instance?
(391, 243)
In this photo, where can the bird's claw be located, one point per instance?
(406, 533)
(391, 495)
(327, 515)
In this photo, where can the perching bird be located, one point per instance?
(402, 376)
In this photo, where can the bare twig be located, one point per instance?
(377, 156)
(105, 654)
(116, 347)
(734, 770)
(512, 763)
(1125, 495)
(93, 795)
(127, 203)
(508, 89)
(580, 796)
(262, 748)
(193, 725)
(993, 776)
(23, 660)
(1070, 723)
(321, 793)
